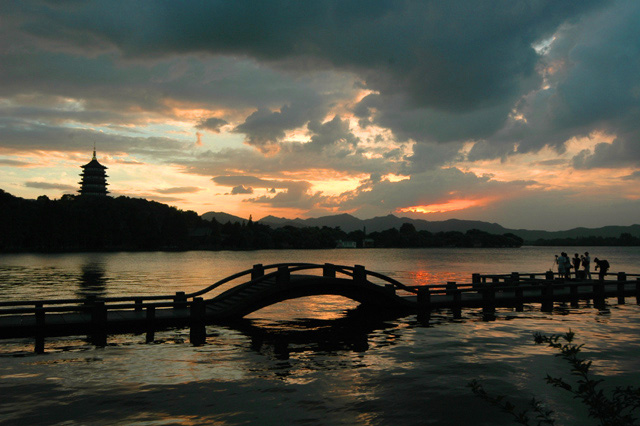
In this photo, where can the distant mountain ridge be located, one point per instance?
(349, 223)
(222, 217)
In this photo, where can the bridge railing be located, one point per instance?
(257, 272)
(261, 272)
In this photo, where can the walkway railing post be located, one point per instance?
(40, 328)
(424, 306)
(574, 295)
(180, 300)
(547, 298)
(451, 287)
(99, 323)
(329, 270)
(475, 279)
(359, 274)
(284, 275)
(257, 271)
(424, 297)
(622, 276)
(456, 307)
(197, 331)
(515, 277)
(548, 276)
(621, 288)
(598, 295)
(151, 324)
(488, 301)
(638, 291)
(519, 294)
(89, 300)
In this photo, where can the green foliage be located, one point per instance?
(614, 408)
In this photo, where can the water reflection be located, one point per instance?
(281, 339)
(92, 280)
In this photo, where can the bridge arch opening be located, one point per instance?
(320, 307)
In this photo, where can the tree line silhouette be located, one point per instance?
(625, 239)
(90, 223)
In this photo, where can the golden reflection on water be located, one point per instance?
(326, 307)
(423, 277)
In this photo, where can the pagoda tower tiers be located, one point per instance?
(94, 178)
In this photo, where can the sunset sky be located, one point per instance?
(524, 113)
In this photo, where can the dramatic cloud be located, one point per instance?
(19, 136)
(49, 185)
(633, 176)
(180, 190)
(431, 108)
(591, 71)
(212, 124)
(13, 163)
(240, 189)
(264, 128)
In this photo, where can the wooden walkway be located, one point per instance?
(262, 286)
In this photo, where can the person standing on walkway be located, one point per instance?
(603, 265)
(567, 266)
(586, 264)
(576, 263)
(560, 263)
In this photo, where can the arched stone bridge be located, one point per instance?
(294, 280)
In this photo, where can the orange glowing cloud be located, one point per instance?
(449, 206)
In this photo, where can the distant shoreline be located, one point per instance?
(124, 250)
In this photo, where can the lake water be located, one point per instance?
(309, 361)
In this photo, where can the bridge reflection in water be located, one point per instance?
(261, 286)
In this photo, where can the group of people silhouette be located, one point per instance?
(576, 262)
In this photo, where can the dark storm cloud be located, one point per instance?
(441, 74)
(297, 195)
(633, 176)
(255, 182)
(21, 136)
(429, 187)
(54, 114)
(333, 132)
(241, 189)
(592, 79)
(425, 50)
(294, 193)
(292, 158)
(428, 156)
(13, 163)
(49, 185)
(429, 124)
(212, 124)
(112, 90)
(265, 127)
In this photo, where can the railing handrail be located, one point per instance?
(434, 289)
(77, 304)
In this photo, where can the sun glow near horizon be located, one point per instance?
(449, 206)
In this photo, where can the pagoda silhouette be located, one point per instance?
(94, 178)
